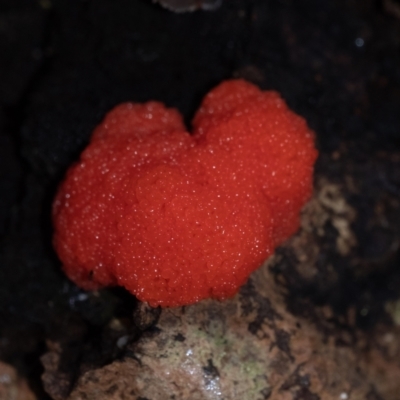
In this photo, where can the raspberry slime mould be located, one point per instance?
(176, 217)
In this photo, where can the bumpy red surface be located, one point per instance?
(176, 218)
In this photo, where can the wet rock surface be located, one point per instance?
(189, 5)
(13, 386)
(321, 319)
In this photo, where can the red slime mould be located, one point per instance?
(176, 218)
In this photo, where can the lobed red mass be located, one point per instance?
(176, 218)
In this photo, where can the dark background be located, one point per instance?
(64, 63)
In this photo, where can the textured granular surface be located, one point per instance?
(176, 218)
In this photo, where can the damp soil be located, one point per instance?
(64, 63)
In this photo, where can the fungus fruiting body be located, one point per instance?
(176, 218)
